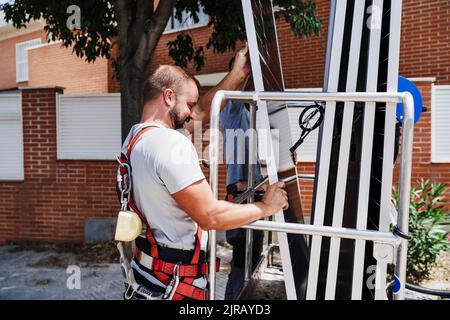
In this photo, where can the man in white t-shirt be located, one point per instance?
(170, 190)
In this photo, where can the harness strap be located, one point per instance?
(188, 290)
(149, 235)
(134, 139)
(184, 270)
(185, 287)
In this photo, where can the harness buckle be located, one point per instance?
(173, 284)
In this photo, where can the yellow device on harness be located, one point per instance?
(129, 226)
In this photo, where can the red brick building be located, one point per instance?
(56, 180)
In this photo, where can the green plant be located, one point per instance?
(427, 221)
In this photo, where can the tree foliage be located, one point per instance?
(99, 27)
(137, 25)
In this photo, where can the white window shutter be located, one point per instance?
(89, 126)
(11, 137)
(440, 128)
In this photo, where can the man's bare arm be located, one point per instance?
(234, 80)
(198, 202)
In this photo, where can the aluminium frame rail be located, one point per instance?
(386, 239)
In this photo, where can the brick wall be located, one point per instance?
(425, 43)
(422, 165)
(56, 196)
(8, 58)
(54, 65)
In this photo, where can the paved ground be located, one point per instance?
(47, 273)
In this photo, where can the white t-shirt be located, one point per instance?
(163, 162)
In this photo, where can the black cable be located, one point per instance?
(433, 292)
(306, 124)
(396, 231)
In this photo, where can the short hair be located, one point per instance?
(166, 77)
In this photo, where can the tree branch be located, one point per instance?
(157, 24)
(144, 12)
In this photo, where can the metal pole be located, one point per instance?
(325, 231)
(252, 158)
(214, 183)
(404, 195)
(314, 96)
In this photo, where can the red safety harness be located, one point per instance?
(166, 271)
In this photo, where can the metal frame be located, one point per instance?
(381, 238)
(389, 132)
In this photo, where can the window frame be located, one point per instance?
(180, 29)
(25, 62)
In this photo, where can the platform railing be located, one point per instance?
(378, 237)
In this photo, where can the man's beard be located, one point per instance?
(177, 120)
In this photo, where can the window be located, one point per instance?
(187, 22)
(11, 138)
(88, 126)
(440, 118)
(22, 58)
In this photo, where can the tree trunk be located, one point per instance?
(132, 91)
(139, 31)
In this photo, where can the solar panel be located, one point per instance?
(356, 150)
(267, 76)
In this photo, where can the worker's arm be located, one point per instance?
(198, 202)
(234, 80)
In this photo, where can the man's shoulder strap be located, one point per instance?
(135, 138)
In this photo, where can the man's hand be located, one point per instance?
(241, 65)
(275, 198)
(234, 80)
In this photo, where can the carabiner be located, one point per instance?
(173, 284)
